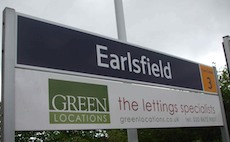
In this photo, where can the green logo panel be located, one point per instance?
(76, 102)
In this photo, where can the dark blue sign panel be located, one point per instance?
(47, 45)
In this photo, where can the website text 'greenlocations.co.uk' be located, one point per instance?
(151, 119)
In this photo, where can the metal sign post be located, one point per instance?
(226, 46)
(121, 31)
(224, 128)
(8, 74)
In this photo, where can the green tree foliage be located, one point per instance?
(180, 135)
(73, 136)
(60, 136)
(117, 135)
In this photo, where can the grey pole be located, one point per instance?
(226, 46)
(132, 133)
(121, 31)
(224, 129)
(8, 74)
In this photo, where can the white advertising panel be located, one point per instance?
(52, 101)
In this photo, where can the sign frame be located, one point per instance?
(8, 74)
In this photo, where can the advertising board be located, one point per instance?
(52, 101)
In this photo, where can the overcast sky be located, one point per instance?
(188, 29)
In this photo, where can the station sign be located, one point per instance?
(78, 80)
(46, 45)
(58, 78)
